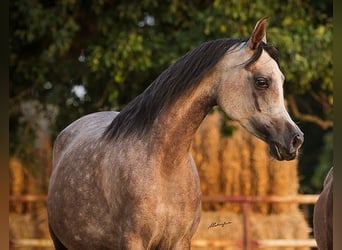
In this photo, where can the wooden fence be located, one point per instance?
(247, 243)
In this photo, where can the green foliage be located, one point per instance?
(125, 40)
(227, 129)
(127, 44)
(325, 162)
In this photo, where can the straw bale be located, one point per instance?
(277, 226)
(240, 165)
(21, 182)
(31, 225)
(20, 225)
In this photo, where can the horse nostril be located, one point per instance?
(297, 140)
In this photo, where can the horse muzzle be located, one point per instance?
(287, 151)
(283, 136)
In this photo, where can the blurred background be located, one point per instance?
(69, 58)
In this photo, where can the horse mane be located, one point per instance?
(139, 114)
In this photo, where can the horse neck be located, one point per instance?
(177, 124)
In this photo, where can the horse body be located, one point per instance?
(323, 215)
(127, 180)
(145, 200)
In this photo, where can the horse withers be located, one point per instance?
(127, 180)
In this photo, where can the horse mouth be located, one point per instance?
(280, 153)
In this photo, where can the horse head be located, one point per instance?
(250, 90)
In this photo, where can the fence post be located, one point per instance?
(247, 235)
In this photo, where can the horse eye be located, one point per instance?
(261, 82)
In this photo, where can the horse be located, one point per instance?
(323, 214)
(126, 180)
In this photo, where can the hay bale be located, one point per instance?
(240, 165)
(21, 182)
(33, 225)
(277, 226)
(21, 226)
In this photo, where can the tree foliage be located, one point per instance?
(114, 49)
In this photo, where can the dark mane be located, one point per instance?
(271, 50)
(138, 116)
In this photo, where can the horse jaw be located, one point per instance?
(283, 136)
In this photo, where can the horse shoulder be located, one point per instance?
(76, 145)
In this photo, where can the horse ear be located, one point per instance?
(258, 34)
